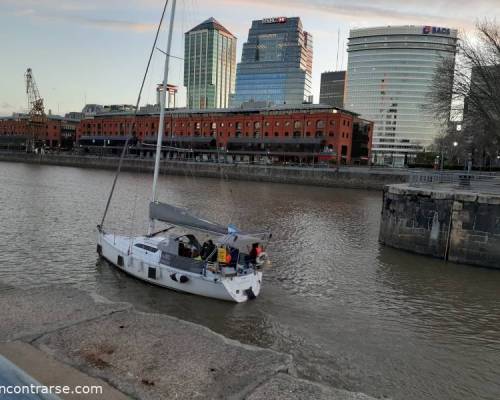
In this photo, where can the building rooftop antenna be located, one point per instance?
(338, 45)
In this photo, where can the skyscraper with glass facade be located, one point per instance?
(390, 75)
(209, 65)
(276, 63)
(332, 88)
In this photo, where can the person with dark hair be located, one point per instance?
(208, 251)
(255, 252)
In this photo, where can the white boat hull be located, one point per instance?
(118, 250)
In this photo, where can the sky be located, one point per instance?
(95, 51)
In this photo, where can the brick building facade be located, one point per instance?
(305, 131)
(54, 132)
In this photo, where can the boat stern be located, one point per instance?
(243, 287)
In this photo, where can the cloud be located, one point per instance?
(113, 24)
(7, 109)
(24, 12)
(72, 12)
(7, 106)
(381, 12)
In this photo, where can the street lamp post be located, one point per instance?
(441, 157)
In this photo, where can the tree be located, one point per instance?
(468, 88)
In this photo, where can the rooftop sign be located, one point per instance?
(275, 20)
(435, 30)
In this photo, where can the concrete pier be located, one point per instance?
(62, 336)
(447, 222)
(345, 177)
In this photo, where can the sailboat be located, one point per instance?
(228, 266)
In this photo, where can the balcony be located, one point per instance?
(276, 140)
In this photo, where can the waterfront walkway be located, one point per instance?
(63, 336)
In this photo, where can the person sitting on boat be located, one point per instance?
(208, 251)
(196, 255)
(234, 253)
(255, 252)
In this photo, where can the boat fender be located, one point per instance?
(250, 294)
(261, 258)
(173, 277)
(183, 279)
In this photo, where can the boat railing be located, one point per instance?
(183, 263)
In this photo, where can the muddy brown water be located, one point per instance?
(354, 314)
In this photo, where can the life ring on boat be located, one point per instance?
(261, 258)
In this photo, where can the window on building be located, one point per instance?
(320, 124)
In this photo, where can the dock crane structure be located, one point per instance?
(37, 118)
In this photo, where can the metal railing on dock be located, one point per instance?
(482, 182)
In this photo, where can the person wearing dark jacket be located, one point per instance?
(208, 251)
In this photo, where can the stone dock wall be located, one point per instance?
(60, 335)
(356, 178)
(454, 225)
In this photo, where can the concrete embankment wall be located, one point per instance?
(356, 178)
(459, 226)
(60, 335)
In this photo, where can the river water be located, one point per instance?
(354, 314)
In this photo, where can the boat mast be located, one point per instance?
(161, 125)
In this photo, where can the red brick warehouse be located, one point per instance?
(54, 132)
(304, 132)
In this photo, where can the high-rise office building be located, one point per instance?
(276, 63)
(331, 91)
(209, 65)
(390, 74)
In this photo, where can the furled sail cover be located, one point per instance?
(181, 217)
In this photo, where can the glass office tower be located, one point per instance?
(332, 88)
(276, 63)
(390, 74)
(209, 65)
